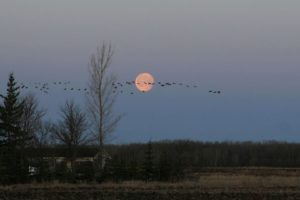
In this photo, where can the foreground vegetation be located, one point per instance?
(210, 183)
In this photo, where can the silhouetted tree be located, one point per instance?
(101, 99)
(148, 167)
(164, 166)
(31, 124)
(31, 121)
(12, 135)
(42, 137)
(41, 141)
(71, 130)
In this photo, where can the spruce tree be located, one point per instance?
(164, 167)
(11, 111)
(148, 168)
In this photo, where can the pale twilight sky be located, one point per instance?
(248, 49)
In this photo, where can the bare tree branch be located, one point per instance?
(101, 99)
(31, 121)
(72, 129)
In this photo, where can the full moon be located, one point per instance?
(144, 82)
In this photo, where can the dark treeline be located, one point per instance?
(174, 160)
(215, 154)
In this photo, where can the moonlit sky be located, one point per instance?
(250, 50)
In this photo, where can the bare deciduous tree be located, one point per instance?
(101, 99)
(41, 140)
(31, 121)
(71, 130)
(42, 137)
(30, 124)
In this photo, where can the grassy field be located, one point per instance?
(208, 183)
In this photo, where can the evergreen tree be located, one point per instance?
(10, 114)
(11, 134)
(148, 169)
(118, 169)
(164, 167)
(133, 170)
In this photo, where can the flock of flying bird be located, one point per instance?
(118, 87)
(45, 87)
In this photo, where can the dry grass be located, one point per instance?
(212, 185)
(206, 182)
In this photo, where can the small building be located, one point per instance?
(57, 157)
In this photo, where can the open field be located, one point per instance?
(213, 183)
